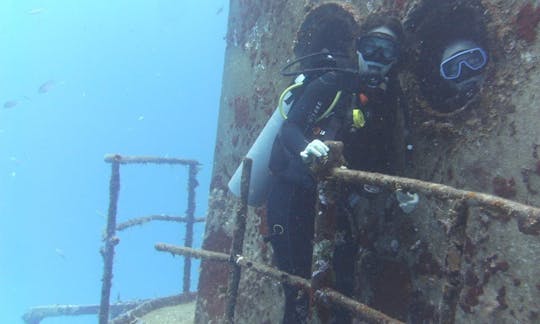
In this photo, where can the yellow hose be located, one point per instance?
(282, 96)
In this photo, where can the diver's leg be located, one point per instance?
(290, 221)
(301, 227)
(278, 212)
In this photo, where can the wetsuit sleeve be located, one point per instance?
(304, 112)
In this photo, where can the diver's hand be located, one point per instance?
(407, 200)
(314, 149)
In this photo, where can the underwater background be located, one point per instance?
(81, 79)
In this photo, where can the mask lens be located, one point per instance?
(389, 52)
(450, 70)
(367, 46)
(475, 59)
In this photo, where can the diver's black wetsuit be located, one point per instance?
(291, 201)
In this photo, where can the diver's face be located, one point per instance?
(377, 53)
(464, 70)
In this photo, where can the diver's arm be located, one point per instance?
(292, 137)
(303, 115)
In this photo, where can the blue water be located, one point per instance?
(127, 77)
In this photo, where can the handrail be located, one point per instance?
(145, 219)
(36, 314)
(367, 313)
(111, 240)
(122, 159)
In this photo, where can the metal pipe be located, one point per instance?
(190, 220)
(117, 158)
(238, 240)
(110, 240)
(326, 295)
(528, 216)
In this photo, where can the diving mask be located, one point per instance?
(474, 59)
(377, 47)
(377, 53)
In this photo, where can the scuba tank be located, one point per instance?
(261, 149)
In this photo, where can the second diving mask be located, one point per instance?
(461, 67)
(474, 59)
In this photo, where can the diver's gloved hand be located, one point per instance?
(315, 149)
(407, 200)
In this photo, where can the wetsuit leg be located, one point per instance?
(290, 213)
(279, 205)
(290, 221)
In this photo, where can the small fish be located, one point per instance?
(36, 11)
(47, 86)
(220, 10)
(60, 253)
(15, 160)
(10, 104)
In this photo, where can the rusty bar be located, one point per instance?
(453, 280)
(110, 240)
(146, 219)
(190, 220)
(192, 253)
(328, 192)
(327, 295)
(528, 216)
(117, 158)
(238, 240)
(368, 314)
(36, 314)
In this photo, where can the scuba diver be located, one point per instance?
(462, 66)
(335, 102)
